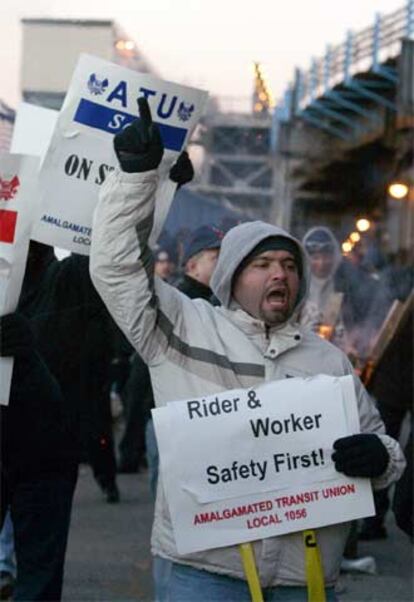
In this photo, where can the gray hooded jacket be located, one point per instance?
(194, 349)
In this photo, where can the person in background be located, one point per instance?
(7, 559)
(392, 387)
(200, 257)
(38, 476)
(75, 336)
(163, 266)
(332, 273)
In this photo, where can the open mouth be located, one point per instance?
(277, 298)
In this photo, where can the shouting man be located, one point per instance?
(194, 349)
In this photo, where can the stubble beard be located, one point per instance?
(275, 318)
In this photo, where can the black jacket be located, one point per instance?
(74, 335)
(34, 437)
(194, 289)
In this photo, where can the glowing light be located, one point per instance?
(363, 224)
(124, 45)
(258, 107)
(398, 190)
(325, 331)
(347, 246)
(355, 237)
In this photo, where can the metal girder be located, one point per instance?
(363, 91)
(387, 73)
(340, 99)
(338, 132)
(318, 106)
(374, 84)
(348, 94)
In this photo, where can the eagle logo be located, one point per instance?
(8, 188)
(185, 111)
(97, 86)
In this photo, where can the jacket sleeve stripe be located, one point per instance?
(205, 355)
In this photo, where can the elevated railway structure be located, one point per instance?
(238, 166)
(343, 132)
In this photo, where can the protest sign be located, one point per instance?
(18, 177)
(33, 129)
(101, 101)
(249, 464)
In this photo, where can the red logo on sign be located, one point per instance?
(8, 188)
(7, 225)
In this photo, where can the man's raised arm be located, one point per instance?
(121, 263)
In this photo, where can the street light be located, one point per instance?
(355, 237)
(363, 224)
(398, 190)
(347, 246)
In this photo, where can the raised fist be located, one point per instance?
(139, 146)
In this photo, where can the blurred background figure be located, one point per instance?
(7, 559)
(38, 475)
(332, 274)
(337, 308)
(163, 265)
(392, 387)
(75, 336)
(199, 260)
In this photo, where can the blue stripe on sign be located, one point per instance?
(100, 117)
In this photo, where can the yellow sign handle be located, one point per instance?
(250, 570)
(313, 568)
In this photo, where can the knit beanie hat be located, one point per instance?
(272, 243)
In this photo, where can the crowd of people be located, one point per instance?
(223, 308)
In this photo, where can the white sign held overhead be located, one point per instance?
(250, 464)
(18, 178)
(33, 129)
(101, 101)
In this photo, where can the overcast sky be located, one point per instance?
(204, 43)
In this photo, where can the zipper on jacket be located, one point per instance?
(267, 331)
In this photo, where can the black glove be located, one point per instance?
(16, 336)
(362, 455)
(182, 171)
(139, 146)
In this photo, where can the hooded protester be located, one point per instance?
(331, 273)
(194, 349)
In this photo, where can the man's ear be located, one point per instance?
(191, 264)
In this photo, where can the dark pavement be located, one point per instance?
(108, 556)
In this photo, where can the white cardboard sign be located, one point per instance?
(101, 101)
(249, 464)
(18, 179)
(33, 129)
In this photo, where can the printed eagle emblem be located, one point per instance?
(97, 86)
(185, 111)
(8, 188)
